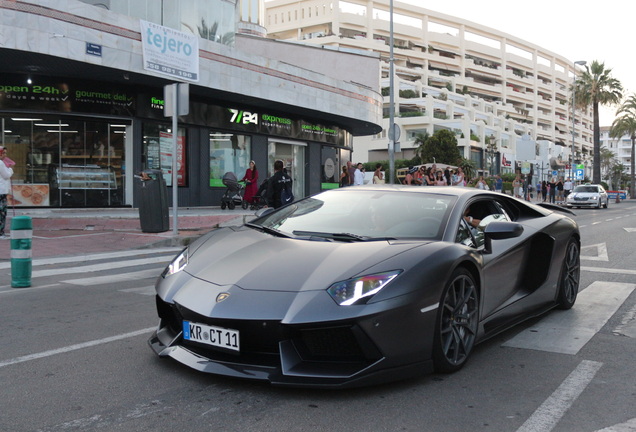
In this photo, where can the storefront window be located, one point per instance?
(65, 162)
(330, 173)
(228, 153)
(158, 147)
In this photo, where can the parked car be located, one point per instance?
(588, 195)
(357, 286)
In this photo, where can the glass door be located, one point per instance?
(293, 156)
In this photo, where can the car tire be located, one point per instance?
(457, 322)
(606, 204)
(568, 287)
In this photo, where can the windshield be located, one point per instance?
(354, 215)
(586, 188)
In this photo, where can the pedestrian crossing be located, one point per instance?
(559, 332)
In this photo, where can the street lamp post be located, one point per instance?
(582, 63)
(391, 100)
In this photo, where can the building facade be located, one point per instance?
(82, 113)
(621, 147)
(507, 100)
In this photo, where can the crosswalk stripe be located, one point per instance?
(147, 290)
(116, 277)
(567, 332)
(100, 267)
(95, 257)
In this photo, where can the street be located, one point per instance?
(75, 358)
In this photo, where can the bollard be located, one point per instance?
(21, 235)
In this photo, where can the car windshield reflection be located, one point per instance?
(363, 215)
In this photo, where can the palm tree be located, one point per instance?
(597, 87)
(625, 124)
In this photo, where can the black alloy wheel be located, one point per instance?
(570, 275)
(457, 323)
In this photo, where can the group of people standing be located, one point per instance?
(432, 176)
(555, 191)
(271, 189)
(354, 175)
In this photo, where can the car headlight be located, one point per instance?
(177, 264)
(360, 290)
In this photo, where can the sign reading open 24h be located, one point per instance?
(170, 52)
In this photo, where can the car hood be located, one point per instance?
(252, 260)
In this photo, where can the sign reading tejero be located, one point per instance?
(170, 52)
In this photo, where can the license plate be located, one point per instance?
(210, 335)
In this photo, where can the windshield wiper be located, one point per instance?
(268, 230)
(341, 236)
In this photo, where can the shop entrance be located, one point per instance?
(62, 162)
(293, 156)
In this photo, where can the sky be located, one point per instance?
(578, 30)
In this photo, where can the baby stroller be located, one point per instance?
(260, 199)
(233, 195)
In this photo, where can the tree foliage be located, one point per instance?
(625, 124)
(596, 87)
(441, 147)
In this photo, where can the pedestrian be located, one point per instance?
(358, 175)
(544, 190)
(567, 187)
(378, 175)
(517, 186)
(559, 191)
(344, 177)
(552, 190)
(276, 183)
(499, 184)
(251, 182)
(5, 187)
(351, 170)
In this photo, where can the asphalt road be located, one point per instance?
(74, 358)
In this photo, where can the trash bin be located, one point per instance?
(153, 202)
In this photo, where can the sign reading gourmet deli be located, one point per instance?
(170, 52)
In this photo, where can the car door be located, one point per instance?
(502, 267)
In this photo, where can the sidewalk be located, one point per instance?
(60, 232)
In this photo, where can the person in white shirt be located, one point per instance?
(567, 187)
(358, 176)
(5, 186)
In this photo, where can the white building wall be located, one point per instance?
(514, 87)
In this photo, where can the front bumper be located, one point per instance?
(334, 355)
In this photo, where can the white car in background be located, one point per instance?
(588, 195)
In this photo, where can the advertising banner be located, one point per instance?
(170, 52)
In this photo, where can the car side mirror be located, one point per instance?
(500, 231)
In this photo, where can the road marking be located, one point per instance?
(100, 267)
(101, 421)
(147, 290)
(76, 347)
(601, 252)
(630, 229)
(566, 332)
(546, 417)
(628, 426)
(95, 257)
(114, 278)
(609, 270)
(627, 327)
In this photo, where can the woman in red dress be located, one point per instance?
(251, 182)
